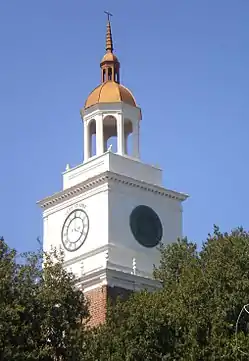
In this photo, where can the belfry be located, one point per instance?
(127, 116)
(113, 210)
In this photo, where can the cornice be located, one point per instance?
(73, 191)
(105, 177)
(134, 183)
(116, 107)
(114, 278)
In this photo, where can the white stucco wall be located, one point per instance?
(95, 204)
(108, 207)
(169, 211)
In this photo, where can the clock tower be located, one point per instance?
(113, 210)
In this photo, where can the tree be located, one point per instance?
(42, 314)
(135, 330)
(193, 317)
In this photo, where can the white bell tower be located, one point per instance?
(113, 210)
(108, 120)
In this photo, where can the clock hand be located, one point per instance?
(75, 224)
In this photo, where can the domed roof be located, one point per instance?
(110, 92)
(109, 57)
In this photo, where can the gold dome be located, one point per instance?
(110, 92)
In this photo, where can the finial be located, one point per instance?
(134, 265)
(82, 268)
(109, 148)
(109, 43)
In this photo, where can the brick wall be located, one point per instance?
(98, 299)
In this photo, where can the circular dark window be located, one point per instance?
(146, 226)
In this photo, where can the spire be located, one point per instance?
(109, 63)
(109, 43)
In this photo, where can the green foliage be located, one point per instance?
(193, 317)
(41, 311)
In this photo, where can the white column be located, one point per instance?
(87, 142)
(99, 135)
(120, 134)
(135, 139)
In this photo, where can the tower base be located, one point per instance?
(99, 299)
(106, 286)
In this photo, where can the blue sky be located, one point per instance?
(185, 61)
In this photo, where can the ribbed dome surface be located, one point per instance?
(110, 92)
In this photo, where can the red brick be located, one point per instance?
(98, 299)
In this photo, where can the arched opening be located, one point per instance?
(92, 137)
(128, 129)
(116, 73)
(110, 133)
(109, 73)
(104, 75)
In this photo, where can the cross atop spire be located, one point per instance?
(109, 42)
(108, 15)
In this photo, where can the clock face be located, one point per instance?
(146, 226)
(75, 230)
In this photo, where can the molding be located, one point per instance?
(86, 255)
(86, 167)
(114, 278)
(115, 107)
(105, 177)
(73, 191)
(64, 204)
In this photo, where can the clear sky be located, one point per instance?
(187, 64)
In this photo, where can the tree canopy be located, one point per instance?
(193, 317)
(197, 315)
(41, 311)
